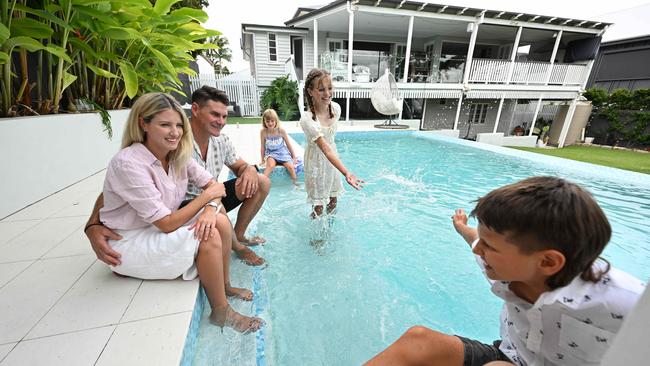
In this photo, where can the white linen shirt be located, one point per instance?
(571, 325)
(138, 191)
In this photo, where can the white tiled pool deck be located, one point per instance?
(59, 305)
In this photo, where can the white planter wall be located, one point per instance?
(42, 155)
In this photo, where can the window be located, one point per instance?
(273, 48)
(477, 113)
(338, 49)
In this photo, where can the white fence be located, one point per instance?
(242, 92)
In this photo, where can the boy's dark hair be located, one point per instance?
(541, 213)
(205, 93)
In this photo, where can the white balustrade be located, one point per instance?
(529, 72)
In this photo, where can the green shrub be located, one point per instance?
(282, 96)
(627, 112)
(597, 96)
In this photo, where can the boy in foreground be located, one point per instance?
(538, 241)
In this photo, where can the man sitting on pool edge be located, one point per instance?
(212, 150)
(538, 241)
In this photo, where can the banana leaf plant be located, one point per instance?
(102, 51)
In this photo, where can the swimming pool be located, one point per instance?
(391, 258)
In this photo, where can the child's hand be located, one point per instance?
(459, 219)
(353, 181)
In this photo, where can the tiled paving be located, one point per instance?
(60, 306)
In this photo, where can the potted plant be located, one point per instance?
(543, 136)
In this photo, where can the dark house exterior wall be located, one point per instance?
(622, 64)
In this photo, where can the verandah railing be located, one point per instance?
(530, 72)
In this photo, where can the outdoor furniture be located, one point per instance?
(385, 98)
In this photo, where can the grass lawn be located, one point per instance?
(248, 120)
(244, 120)
(622, 159)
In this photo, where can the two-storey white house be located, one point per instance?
(463, 70)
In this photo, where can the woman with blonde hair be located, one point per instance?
(144, 186)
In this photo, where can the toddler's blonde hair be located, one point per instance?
(270, 113)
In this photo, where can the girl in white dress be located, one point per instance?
(319, 123)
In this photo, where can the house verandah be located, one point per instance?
(482, 62)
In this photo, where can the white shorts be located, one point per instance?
(150, 254)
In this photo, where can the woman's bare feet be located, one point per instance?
(240, 293)
(227, 317)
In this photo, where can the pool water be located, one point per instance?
(339, 290)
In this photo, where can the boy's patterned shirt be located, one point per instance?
(571, 325)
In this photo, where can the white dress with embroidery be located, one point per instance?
(322, 179)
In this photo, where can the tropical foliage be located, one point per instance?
(217, 55)
(282, 96)
(55, 54)
(627, 114)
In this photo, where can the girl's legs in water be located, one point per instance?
(318, 210)
(210, 265)
(332, 205)
(270, 165)
(292, 171)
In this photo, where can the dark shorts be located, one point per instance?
(230, 201)
(478, 354)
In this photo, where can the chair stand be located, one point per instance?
(390, 124)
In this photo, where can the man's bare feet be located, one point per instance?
(227, 317)
(252, 241)
(240, 293)
(249, 257)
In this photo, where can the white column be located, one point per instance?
(350, 51)
(567, 122)
(350, 45)
(585, 79)
(539, 104)
(424, 114)
(513, 55)
(496, 122)
(552, 61)
(347, 107)
(470, 52)
(460, 103)
(408, 50)
(316, 43)
(301, 100)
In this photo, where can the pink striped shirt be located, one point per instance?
(138, 191)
